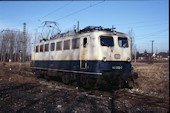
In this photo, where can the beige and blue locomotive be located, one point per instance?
(93, 56)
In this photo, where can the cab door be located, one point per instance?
(84, 46)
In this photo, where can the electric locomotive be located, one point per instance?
(93, 56)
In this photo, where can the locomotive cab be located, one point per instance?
(110, 55)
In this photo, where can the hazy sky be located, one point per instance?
(149, 19)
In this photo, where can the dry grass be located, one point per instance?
(153, 78)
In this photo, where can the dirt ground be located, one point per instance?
(21, 91)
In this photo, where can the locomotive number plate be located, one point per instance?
(117, 67)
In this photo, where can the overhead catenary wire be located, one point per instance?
(148, 25)
(86, 9)
(73, 13)
(151, 34)
(40, 19)
(63, 6)
(139, 22)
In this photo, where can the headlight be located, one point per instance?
(104, 59)
(128, 59)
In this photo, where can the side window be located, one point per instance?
(59, 46)
(41, 48)
(123, 42)
(67, 45)
(75, 43)
(84, 42)
(46, 47)
(37, 48)
(52, 46)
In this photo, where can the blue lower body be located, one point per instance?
(92, 66)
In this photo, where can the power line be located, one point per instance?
(80, 10)
(73, 12)
(138, 22)
(151, 25)
(150, 34)
(39, 19)
(55, 10)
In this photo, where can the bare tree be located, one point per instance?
(1, 46)
(132, 39)
(14, 44)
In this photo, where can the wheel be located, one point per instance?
(89, 84)
(38, 74)
(46, 77)
(130, 84)
(66, 78)
(78, 80)
(119, 84)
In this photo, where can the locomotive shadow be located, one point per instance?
(102, 87)
(37, 98)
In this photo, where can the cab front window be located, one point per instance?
(123, 42)
(106, 41)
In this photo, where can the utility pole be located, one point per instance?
(152, 52)
(24, 41)
(77, 26)
(131, 49)
(152, 46)
(24, 28)
(135, 53)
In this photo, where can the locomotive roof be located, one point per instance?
(86, 31)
